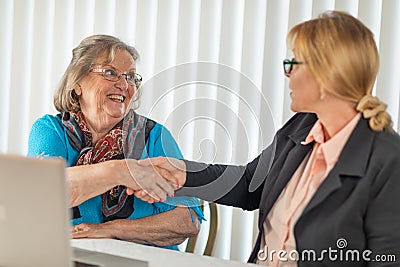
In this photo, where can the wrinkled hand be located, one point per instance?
(143, 196)
(173, 170)
(86, 230)
(144, 177)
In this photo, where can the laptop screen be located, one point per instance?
(34, 218)
(35, 221)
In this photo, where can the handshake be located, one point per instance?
(156, 178)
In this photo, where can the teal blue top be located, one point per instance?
(49, 139)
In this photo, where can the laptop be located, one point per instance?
(34, 217)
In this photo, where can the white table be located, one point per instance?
(156, 257)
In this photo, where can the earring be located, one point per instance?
(322, 96)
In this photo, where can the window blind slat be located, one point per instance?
(126, 20)
(351, 6)
(6, 28)
(186, 54)
(274, 53)
(62, 44)
(40, 90)
(83, 19)
(321, 6)
(388, 82)
(20, 75)
(104, 16)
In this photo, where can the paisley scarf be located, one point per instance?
(126, 139)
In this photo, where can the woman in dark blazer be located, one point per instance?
(328, 187)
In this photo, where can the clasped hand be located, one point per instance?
(171, 169)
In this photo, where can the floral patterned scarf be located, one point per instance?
(134, 128)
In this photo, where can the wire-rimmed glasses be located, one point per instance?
(110, 74)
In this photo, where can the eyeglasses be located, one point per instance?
(288, 65)
(110, 74)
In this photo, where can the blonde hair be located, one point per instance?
(83, 57)
(341, 53)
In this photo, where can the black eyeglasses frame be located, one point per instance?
(288, 65)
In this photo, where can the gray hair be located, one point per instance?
(83, 57)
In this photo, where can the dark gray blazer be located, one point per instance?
(358, 204)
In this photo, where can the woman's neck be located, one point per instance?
(336, 116)
(100, 127)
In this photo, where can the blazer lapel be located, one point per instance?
(282, 170)
(352, 162)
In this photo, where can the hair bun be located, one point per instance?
(370, 106)
(374, 110)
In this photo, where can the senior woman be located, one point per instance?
(94, 131)
(328, 187)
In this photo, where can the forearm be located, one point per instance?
(214, 182)
(238, 186)
(87, 181)
(201, 174)
(164, 229)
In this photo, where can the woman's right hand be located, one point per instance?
(171, 169)
(144, 177)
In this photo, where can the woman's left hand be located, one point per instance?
(86, 230)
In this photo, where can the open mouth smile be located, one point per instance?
(117, 98)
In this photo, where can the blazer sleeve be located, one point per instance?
(227, 184)
(241, 186)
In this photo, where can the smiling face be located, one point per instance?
(103, 102)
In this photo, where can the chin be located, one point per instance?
(116, 115)
(293, 108)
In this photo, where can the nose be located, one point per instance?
(122, 83)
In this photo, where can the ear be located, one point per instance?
(78, 90)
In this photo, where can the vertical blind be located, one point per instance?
(212, 71)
